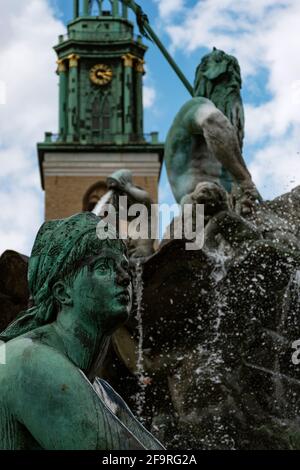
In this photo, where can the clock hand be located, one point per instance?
(105, 74)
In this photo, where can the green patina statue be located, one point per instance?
(80, 294)
(121, 184)
(205, 141)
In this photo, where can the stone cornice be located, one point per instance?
(89, 164)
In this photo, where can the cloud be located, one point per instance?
(28, 31)
(264, 35)
(28, 87)
(167, 8)
(149, 96)
(276, 167)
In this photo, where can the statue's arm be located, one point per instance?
(139, 195)
(58, 405)
(203, 117)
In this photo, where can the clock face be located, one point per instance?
(101, 74)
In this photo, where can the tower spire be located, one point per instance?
(100, 69)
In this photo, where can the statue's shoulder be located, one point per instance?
(31, 357)
(36, 371)
(189, 111)
(194, 103)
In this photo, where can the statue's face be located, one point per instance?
(211, 69)
(216, 65)
(102, 290)
(204, 192)
(210, 195)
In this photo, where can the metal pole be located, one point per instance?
(143, 23)
(169, 58)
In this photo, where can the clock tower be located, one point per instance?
(100, 67)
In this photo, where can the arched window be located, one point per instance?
(96, 115)
(106, 5)
(101, 116)
(103, 7)
(95, 7)
(105, 115)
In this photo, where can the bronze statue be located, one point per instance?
(121, 184)
(80, 294)
(205, 141)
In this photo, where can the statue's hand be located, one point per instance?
(112, 184)
(121, 184)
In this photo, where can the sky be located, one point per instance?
(263, 35)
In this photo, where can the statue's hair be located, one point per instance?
(218, 78)
(99, 186)
(88, 247)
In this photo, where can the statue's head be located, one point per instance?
(120, 178)
(70, 267)
(211, 195)
(93, 196)
(218, 78)
(122, 184)
(214, 67)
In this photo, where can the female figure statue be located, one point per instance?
(49, 393)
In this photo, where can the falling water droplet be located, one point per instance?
(102, 202)
(140, 371)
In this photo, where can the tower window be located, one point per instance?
(106, 7)
(106, 115)
(95, 7)
(103, 7)
(101, 116)
(96, 115)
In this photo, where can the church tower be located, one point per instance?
(100, 69)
